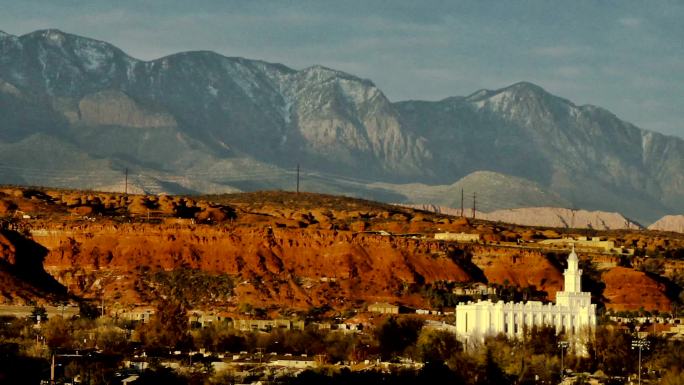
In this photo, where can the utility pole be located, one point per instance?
(297, 178)
(562, 345)
(474, 206)
(461, 203)
(126, 182)
(52, 371)
(640, 343)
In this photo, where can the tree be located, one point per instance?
(160, 376)
(437, 345)
(58, 333)
(673, 377)
(111, 340)
(466, 365)
(612, 351)
(395, 335)
(88, 310)
(168, 327)
(491, 373)
(435, 372)
(339, 346)
(542, 340)
(39, 314)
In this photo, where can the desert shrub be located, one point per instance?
(654, 266)
(193, 286)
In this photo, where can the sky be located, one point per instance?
(625, 56)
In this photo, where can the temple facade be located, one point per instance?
(572, 312)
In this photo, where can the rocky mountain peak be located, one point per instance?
(518, 90)
(50, 34)
(322, 74)
(58, 41)
(326, 88)
(521, 100)
(477, 95)
(320, 70)
(528, 88)
(59, 63)
(51, 37)
(522, 92)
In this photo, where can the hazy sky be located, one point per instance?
(625, 56)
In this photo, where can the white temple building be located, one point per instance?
(572, 312)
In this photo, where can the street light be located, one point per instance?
(640, 343)
(562, 345)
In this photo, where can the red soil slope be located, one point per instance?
(628, 289)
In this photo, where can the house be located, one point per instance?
(383, 308)
(201, 318)
(478, 288)
(593, 244)
(267, 325)
(458, 237)
(348, 327)
(301, 362)
(138, 314)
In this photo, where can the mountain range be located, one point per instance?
(78, 112)
(556, 217)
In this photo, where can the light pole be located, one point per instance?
(640, 343)
(562, 345)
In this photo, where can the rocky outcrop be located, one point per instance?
(115, 108)
(669, 223)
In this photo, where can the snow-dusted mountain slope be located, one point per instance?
(197, 121)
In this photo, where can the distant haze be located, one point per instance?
(625, 56)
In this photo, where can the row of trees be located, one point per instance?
(497, 360)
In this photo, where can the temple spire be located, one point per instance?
(573, 274)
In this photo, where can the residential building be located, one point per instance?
(458, 237)
(267, 325)
(383, 308)
(138, 314)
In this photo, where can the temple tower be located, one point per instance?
(573, 274)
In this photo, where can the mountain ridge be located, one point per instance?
(219, 112)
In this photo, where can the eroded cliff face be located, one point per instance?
(522, 268)
(272, 266)
(280, 251)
